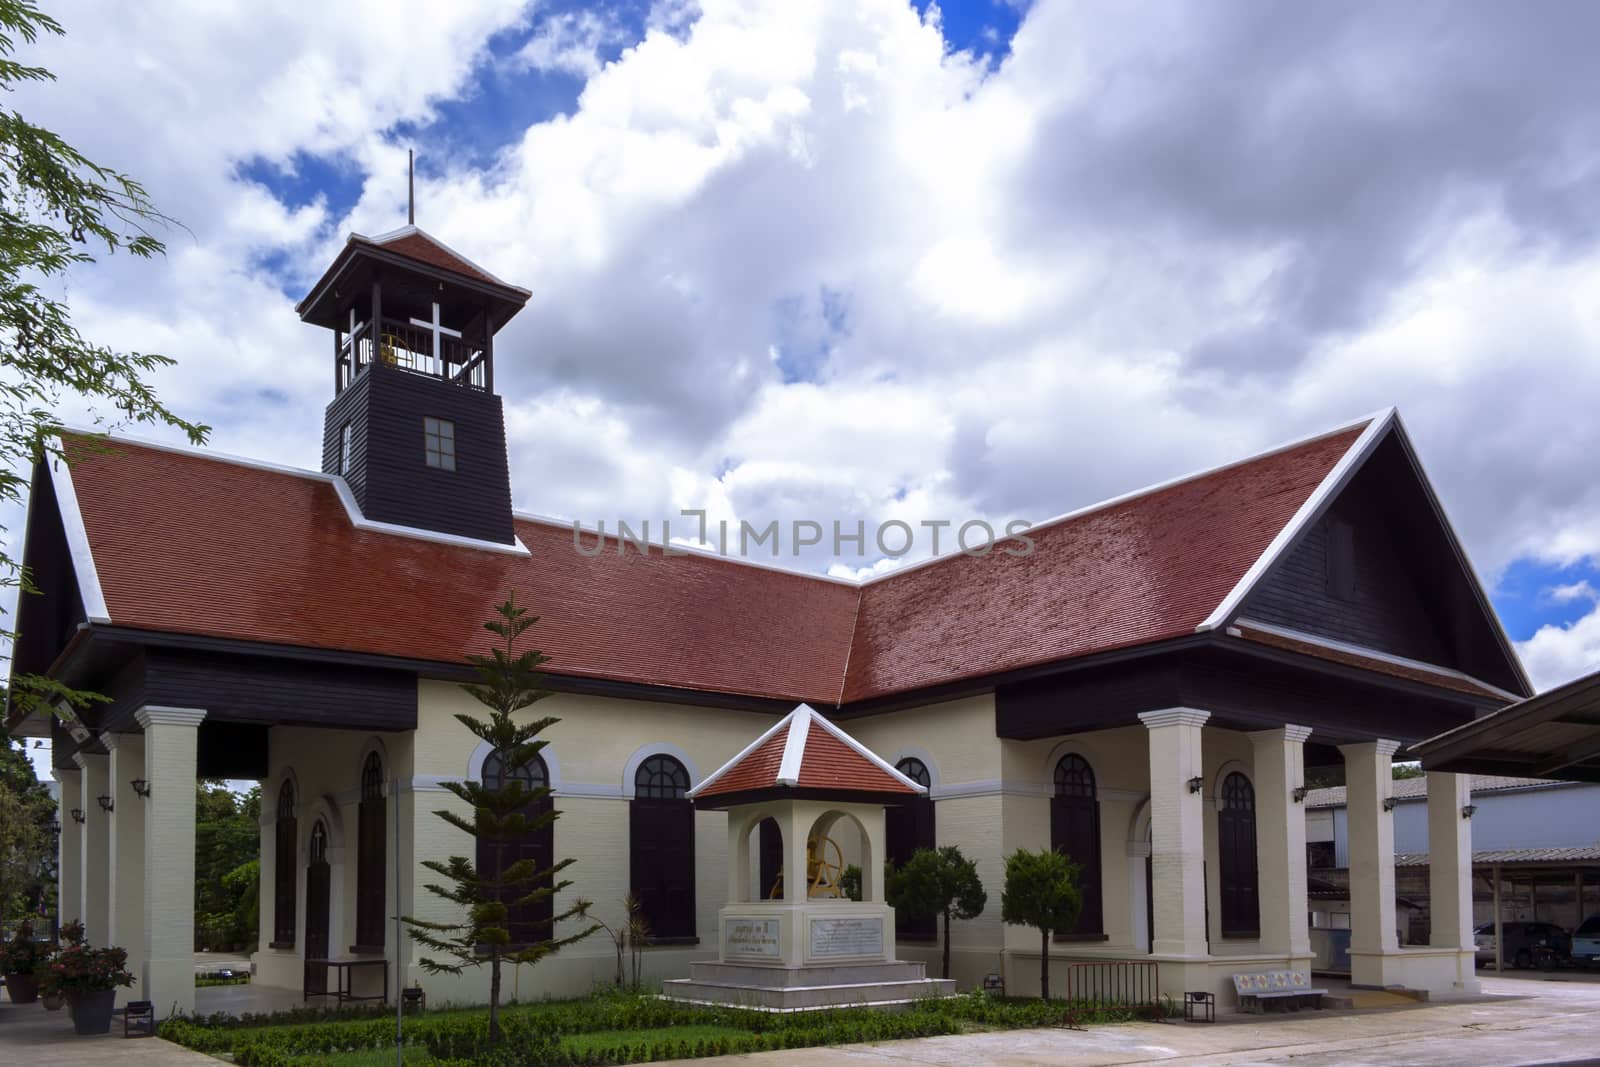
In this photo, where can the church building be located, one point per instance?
(1144, 690)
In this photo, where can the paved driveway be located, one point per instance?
(1522, 1022)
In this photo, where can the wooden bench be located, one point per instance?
(1285, 990)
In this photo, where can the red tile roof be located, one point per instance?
(414, 244)
(807, 752)
(187, 543)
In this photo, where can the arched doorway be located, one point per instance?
(319, 877)
(1237, 878)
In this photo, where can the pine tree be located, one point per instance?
(508, 682)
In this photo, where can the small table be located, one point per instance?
(341, 991)
(1200, 1007)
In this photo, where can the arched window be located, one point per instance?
(661, 847)
(530, 922)
(908, 826)
(286, 837)
(318, 910)
(1075, 831)
(1238, 887)
(370, 850)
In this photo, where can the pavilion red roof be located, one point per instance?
(186, 542)
(804, 752)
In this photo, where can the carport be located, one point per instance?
(1554, 735)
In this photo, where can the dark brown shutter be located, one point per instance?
(371, 871)
(1237, 882)
(661, 847)
(909, 826)
(285, 865)
(1075, 831)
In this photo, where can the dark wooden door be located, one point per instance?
(1075, 831)
(318, 900)
(1150, 903)
(908, 827)
(1237, 880)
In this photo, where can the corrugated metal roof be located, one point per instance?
(1417, 788)
(1573, 854)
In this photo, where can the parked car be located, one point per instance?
(1523, 940)
(1586, 942)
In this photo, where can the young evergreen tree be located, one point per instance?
(1042, 892)
(508, 682)
(939, 882)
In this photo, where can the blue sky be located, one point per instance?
(844, 258)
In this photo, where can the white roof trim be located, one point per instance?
(1478, 588)
(863, 750)
(94, 599)
(340, 487)
(799, 723)
(1331, 484)
(1369, 653)
(739, 758)
(794, 746)
(413, 231)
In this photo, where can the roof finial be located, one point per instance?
(411, 187)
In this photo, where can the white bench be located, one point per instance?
(1288, 990)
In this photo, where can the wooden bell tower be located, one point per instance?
(415, 426)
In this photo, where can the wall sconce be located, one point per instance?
(1469, 811)
(1388, 803)
(1299, 794)
(105, 803)
(77, 815)
(1196, 784)
(141, 787)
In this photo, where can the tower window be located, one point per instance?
(439, 443)
(346, 441)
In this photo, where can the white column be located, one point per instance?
(1450, 872)
(94, 866)
(125, 891)
(1281, 843)
(1368, 780)
(69, 870)
(1177, 833)
(171, 737)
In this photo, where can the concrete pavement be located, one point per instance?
(32, 1036)
(1522, 1022)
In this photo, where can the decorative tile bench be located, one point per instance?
(1285, 990)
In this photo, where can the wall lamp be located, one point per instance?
(105, 802)
(1299, 794)
(1469, 811)
(77, 815)
(1388, 803)
(1196, 784)
(141, 787)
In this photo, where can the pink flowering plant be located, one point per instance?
(77, 968)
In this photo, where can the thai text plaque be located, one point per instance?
(856, 936)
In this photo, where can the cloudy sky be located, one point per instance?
(870, 259)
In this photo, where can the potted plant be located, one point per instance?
(89, 977)
(44, 976)
(18, 958)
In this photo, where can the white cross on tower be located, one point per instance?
(438, 330)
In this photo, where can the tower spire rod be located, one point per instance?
(411, 187)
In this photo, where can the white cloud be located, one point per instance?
(1579, 590)
(1556, 654)
(1116, 257)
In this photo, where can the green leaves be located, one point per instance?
(1041, 890)
(939, 882)
(58, 209)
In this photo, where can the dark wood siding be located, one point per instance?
(268, 691)
(389, 476)
(47, 619)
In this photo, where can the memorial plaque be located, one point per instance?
(750, 939)
(857, 936)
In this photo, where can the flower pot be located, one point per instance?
(52, 1001)
(21, 988)
(91, 1011)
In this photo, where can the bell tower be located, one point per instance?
(415, 427)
